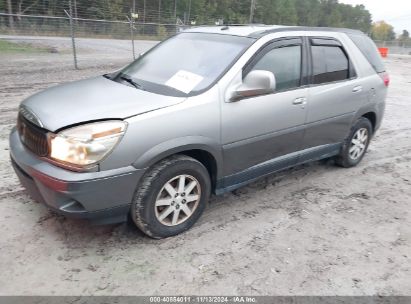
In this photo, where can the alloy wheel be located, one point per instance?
(177, 200)
(358, 144)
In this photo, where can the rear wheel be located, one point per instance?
(356, 144)
(171, 197)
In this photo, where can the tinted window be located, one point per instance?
(369, 50)
(285, 64)
(186, 63)
(329, 64)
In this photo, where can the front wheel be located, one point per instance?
(356, 144)
(171, 197)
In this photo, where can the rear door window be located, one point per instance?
(330, 64)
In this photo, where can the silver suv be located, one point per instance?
(206, 111)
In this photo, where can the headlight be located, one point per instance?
(86, 144)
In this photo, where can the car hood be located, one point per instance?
(92, 99)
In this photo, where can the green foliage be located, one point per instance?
(308, 12)
(405, 36)
(11, 47)
(162, 32)
(287, 12)
(382, 31)
(404, 39)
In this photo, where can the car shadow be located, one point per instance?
(76, 233)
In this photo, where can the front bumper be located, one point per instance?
(103, 196)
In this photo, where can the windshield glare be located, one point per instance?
(186, 63)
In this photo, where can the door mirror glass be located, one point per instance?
(256, 83)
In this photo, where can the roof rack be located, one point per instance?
(305, 28)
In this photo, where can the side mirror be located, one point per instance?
(256, 83)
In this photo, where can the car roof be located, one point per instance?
(260, 30)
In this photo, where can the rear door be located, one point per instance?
(334, 95)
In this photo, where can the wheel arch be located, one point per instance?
(371, 113)
(200, 148)
(372, 117)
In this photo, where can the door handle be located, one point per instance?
(300, 101)
(357, 89)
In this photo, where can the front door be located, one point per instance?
(262, 133)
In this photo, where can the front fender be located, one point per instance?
(178, 145)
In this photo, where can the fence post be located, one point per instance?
(130, 20)
(73, 42)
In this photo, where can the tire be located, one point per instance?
(153, 200)
(347, 158)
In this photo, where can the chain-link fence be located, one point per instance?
(396, 46)
(90, 28)
(116, 37)
(91, 32)
(111, 38)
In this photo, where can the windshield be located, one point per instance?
(186, 63)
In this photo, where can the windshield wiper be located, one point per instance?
(132, 82)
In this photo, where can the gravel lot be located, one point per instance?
(313, 230)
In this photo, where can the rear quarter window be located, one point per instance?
(369, 50)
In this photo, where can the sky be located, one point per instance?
(395, 12)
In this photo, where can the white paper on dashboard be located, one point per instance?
(184, 81)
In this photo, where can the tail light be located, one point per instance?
(386, 78)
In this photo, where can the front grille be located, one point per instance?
(33, 137)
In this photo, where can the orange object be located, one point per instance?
(383, 52)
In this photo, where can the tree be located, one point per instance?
(404, 39)
(382, 31)
(308, 12)
(355, 17)
(266, 12)
(330, 14)
(362, 19)
(405, 36)
(288, 12)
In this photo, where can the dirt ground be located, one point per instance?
(313, 230)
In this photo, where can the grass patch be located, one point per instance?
(13, 47)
